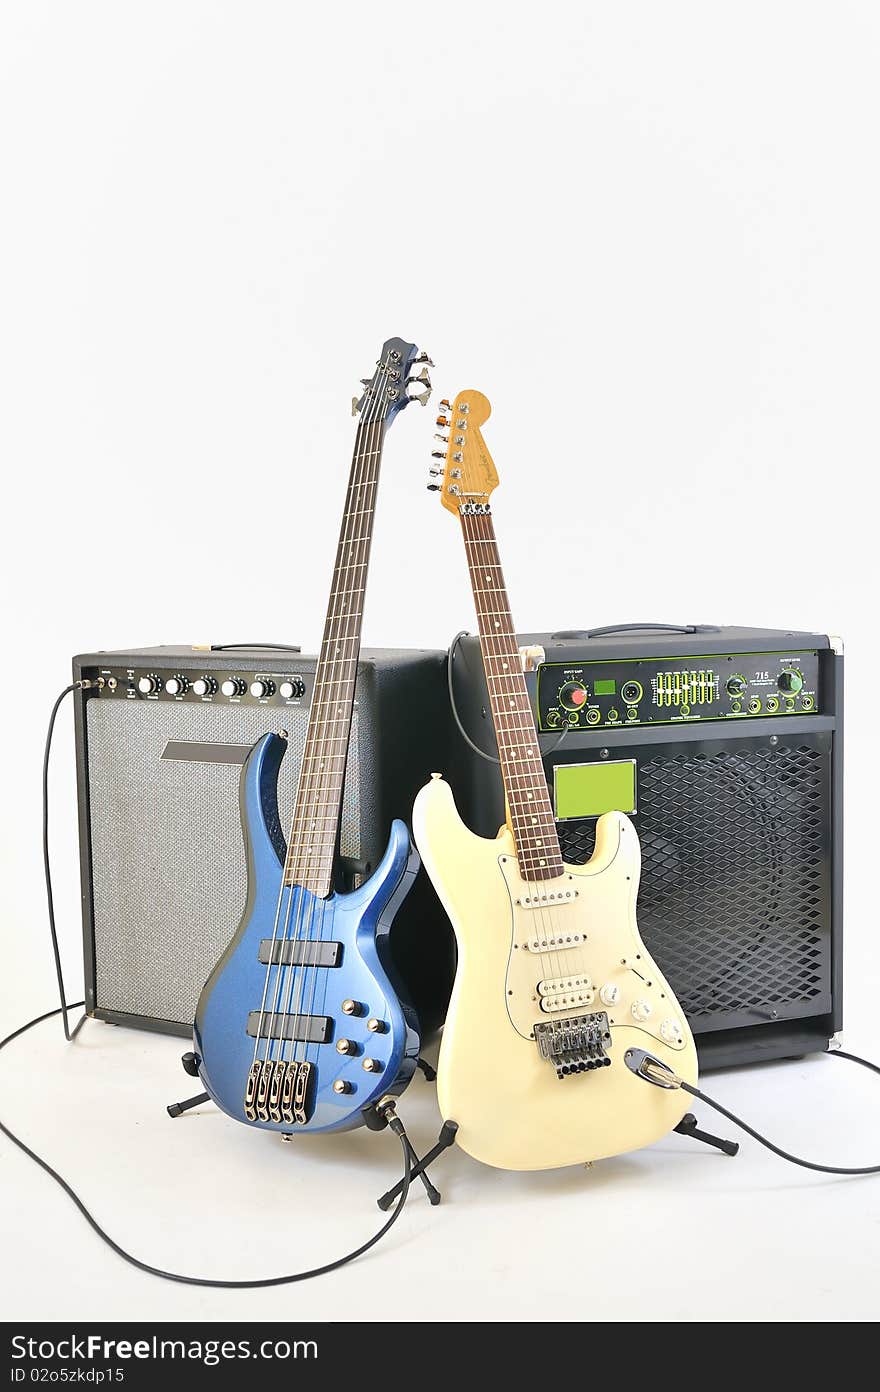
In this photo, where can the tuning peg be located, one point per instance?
(445, 405)
(420, 397)
(420, 377)
(443, 422)
(355, 405)
(436, 473)
(366, 381)
(438, 454)
(444, 439)
(434, 488)
(423, 358)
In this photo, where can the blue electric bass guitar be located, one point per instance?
(299, 1028)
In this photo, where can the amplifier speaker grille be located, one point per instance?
(169, 875)
(735, 891)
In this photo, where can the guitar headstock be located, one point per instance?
(385, 393)
(466, 474)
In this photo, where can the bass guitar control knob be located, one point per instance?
(262, 687)
(292, 689)
(204, 686)
(176, 685)
(150, 684)
(234, 686)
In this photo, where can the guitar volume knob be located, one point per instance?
(641, 1009)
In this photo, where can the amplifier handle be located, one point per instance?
(279, 647)
(635, 628)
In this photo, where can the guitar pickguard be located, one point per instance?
(569, 965)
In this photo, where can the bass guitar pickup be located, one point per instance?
(305, 1029)
(287, 952)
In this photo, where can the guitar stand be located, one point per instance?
(686, 1127)
(444, 1141)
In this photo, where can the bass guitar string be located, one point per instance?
(324, 779)
(318, 776)
(369, 487)
(284, 878)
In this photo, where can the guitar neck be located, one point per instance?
(312, 843)
(525, 784)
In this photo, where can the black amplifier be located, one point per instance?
(725, 747)
(160, 740)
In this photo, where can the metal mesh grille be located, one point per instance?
(734, 898)
(169, 873)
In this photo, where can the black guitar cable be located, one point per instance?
(645, 1066)
(394, 1122)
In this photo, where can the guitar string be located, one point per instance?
(301, 846)
(518, 721)
(498, 648)
(326, 772)
(331, 780)
(284, 885)
(320, 776)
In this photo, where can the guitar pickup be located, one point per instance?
(307, 1029)
(286, 952)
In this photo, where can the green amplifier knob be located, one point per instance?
(790, 682)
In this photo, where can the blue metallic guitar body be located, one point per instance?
(299, 1028)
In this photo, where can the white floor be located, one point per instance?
(677, 1231)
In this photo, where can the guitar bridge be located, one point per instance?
(575, 1045)
(277, 1090)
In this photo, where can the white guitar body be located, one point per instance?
(524, 966)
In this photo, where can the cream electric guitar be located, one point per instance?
(555, 997)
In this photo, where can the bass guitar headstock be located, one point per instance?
(387, 391)
(463, 471)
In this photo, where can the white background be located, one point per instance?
(650, 234)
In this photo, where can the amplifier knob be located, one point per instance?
(150, 684)
(262, 688)
(176, 685)
(790, 683)
(204, 686)
(736, 685)
(292, 689)
(573, 695)
(234, 686)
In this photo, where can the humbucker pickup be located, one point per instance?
(309, 1029)
(288, 952)
(569, 1001)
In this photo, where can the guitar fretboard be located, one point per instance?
(525, 783)
(312, 843)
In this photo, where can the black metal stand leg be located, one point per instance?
(429, 1072)
(177, 1107)
(688, 1127)
(444, 1141)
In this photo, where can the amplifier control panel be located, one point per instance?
(666, 691)
(211, 687)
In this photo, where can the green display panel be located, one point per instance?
(588, 790)
(604, 687)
